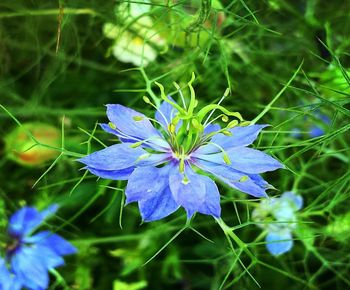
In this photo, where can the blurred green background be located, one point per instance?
(58, 69)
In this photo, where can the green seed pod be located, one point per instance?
(22, 148)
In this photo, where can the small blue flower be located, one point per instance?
(316, 130)
(165, 167)
(29, 256)
(278, 217)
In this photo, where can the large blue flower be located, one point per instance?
(165, 168)
(278, 217)
(29, 256)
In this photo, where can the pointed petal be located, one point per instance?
(53, 241)
(121, 137)
(6, 281)
(316, 131)
(252, 161)
(115, 157)
(122, 174)
(188, 192)
(146, 182)
(234, 178)
(211, 128)
(29, 269)
(159, 206)
(244, 159)
(131, 122)
(165, 113)
(241, 136)
(24, 221)
(211, 205)
(279, 243)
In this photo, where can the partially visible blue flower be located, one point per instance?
(278, 217)
(164, 167)
(29, 256)
(315, 127)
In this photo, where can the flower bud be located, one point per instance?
(21, 148)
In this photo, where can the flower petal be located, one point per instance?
(121, 137)
(211, 128)
(146, 182)
(188, 191)
(27, 219)
(115, 157)
(244, 159)
(211, 205)
(234, 178)
(316, 131)
(7, 280)
(159, 206)
(131, 122)
(165, 113)
(241, 136)
(122, 174)
(28, 267)
(53, 241)
(279, 243)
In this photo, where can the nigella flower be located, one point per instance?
(278, 217)
(168, 167)
(315, 125)
(28, 255)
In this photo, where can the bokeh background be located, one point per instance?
(62, 61)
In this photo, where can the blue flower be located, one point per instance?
(278, 217)
(165, 168)
(315, 130)
(29, 256)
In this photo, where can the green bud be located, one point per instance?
(224, 118)
(245, 123)
(146, 100)
(21, 148)
(232, 124)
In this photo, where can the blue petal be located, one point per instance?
(131, 123)
(241, 136)
(28, 267)
(115, 157)
(7, 280)
(211, 128)
(24, 221)
(211, 205)
(165, 113)
(279, 243)
(159, 206)
(295, 198)
(316, 131)
(247, 183)
(146, 182)
(51, 210)
(188, 191)
(122, 138)
(112, 174)
(53, 241)
(244, 159)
